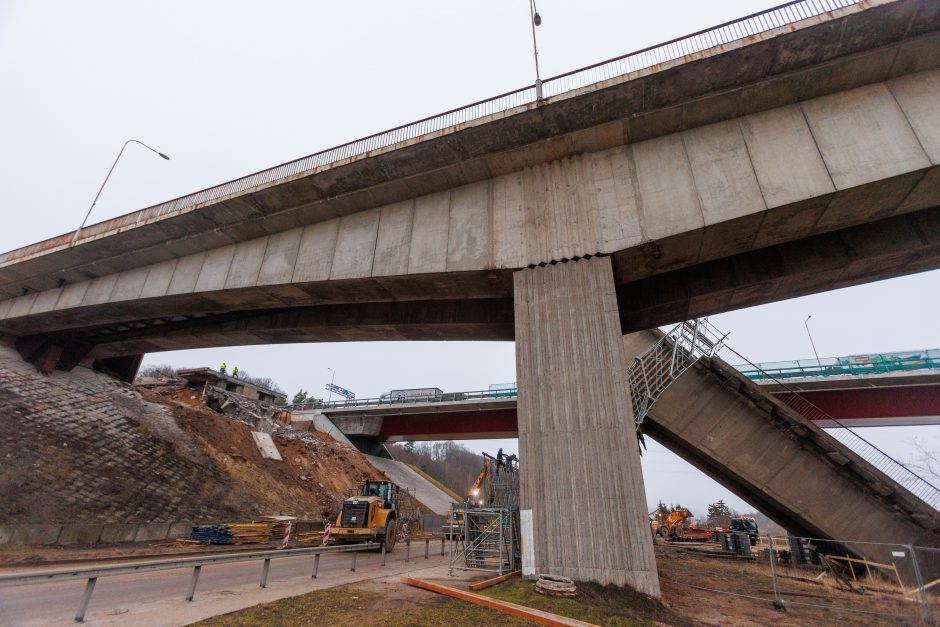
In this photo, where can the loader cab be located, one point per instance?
(385, 490)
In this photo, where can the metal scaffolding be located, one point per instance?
(488, 540)
(501, 484)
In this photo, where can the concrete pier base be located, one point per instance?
(580, 467)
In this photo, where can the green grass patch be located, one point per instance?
(348, 606)
(601, 605)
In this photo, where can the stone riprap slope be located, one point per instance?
(81, 447)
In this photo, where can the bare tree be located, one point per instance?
(926, 461)
(157, 371)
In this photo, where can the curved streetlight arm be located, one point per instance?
(105, 182)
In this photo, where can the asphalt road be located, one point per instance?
(56, 603)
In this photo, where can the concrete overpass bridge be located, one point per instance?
(786, 153)
(834, 392)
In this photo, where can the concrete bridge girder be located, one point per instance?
(667, 205)
(850, 47)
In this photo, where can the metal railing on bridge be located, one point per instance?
(507, 104)
(874, 364)
(447, 397)
(664, 362)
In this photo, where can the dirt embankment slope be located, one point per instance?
(316, 473)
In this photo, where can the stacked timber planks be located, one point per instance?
(250, 533)
(280, 525)
(235, 533)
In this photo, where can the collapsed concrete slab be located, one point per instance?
(765, 452)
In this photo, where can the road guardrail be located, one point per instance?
(92, 574)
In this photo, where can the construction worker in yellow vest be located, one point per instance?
(222, 368)
(235, 372)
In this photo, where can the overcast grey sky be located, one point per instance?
(227, 88)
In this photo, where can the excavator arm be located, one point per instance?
(484, 473)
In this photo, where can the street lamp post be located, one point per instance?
(536, 21)
(812, 343)
(330, 389)
(100, 189)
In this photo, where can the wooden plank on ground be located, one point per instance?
(495, 580)
(520, 611)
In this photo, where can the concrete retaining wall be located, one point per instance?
(91, 534)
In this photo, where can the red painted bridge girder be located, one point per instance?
(884, 406)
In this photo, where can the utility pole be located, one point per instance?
(536, 20)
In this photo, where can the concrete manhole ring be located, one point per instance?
(556, 586)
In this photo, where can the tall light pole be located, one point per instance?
(136, 141)
(812, 343)
(330, 389)
(536, 21)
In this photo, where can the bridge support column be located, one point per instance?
(580, 463)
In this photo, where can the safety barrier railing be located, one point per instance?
(91, 574)
(703, 40)
(507, 103)
(817, 580)
(655, 370)
(447, 397)
(832, 366)
(895, 470)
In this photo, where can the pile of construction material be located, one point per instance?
(311, 537)
(280, 525)
(236, 533)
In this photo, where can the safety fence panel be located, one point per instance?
(808, 580)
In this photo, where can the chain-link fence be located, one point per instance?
(814, 580)
(883, 580)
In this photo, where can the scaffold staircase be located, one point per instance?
(655, 370)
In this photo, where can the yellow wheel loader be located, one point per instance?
(370, 516)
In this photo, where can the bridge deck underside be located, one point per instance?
(890, 247)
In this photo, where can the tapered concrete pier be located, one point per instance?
(581, 477)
